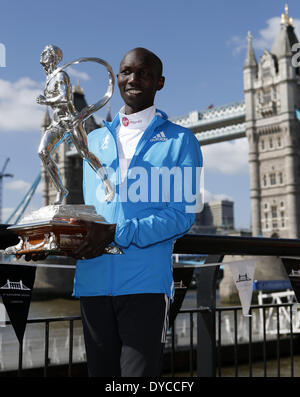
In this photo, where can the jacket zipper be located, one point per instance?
(141, 143)
(117, 201)
(138, 149)
(118, 165)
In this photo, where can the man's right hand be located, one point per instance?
(98, 237)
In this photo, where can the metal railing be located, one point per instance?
(216, 247)
(208, 356)
(174, 347)
(255, 349)
(46, 322)
(290, 337)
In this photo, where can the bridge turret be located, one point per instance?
(250, 60)
(272, 92)
(250, 76)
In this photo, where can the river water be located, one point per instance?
(34, 337)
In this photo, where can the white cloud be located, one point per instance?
(39, 189)
(18, 108)
(265, 38)
(21, 187)
(267, 35)
(208, 196)
(238, 43)
(31, 207)
(6, 212)
(78, 75)
(18, 185)
(229, 157)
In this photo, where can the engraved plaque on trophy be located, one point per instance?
(48, 229)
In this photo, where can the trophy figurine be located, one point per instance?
(48, 229)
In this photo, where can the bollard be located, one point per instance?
(206, 320)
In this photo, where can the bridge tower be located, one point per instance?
(272, 94)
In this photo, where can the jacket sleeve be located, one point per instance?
(178, 216)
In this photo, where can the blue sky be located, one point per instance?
(202, 45)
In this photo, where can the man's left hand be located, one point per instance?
(99, 235)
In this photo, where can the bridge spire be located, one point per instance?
(285, 19)
(286, 37)
(250, 60)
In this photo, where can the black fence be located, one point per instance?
(264, 354)
(216, 247)
(206, 355)
(274, 353)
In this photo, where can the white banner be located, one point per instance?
(242, 272)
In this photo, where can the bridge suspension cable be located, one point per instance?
(3, 175)
(19, 211)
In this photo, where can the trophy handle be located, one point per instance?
(88, 110)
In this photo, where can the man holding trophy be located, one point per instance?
(125, 298)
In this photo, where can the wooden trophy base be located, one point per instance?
(48, 230)
(57, 237)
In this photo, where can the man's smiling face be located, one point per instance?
(139, 79)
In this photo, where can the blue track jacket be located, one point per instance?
(152, 208)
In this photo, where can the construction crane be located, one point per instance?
(3, 175)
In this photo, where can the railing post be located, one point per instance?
(71, 335)
(20, 364)
(206, 321)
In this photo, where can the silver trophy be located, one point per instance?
(48, 229)
(67, 123)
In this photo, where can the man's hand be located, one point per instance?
(38, 256)
(98, 237)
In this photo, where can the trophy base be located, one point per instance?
(48, 230)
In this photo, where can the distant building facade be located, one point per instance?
(217, 217)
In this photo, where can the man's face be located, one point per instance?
(138, 80)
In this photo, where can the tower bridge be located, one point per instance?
(267, 117)
(16, 285)
(218, 124)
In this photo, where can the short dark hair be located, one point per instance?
(155, 59)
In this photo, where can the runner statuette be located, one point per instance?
(48, 229)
